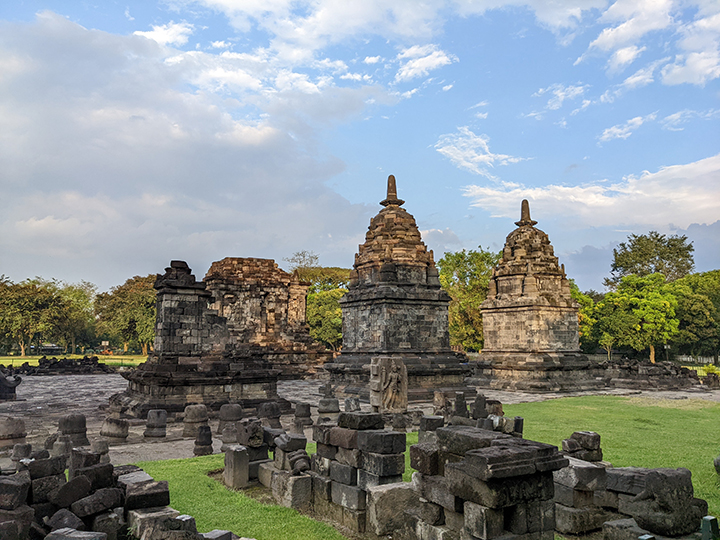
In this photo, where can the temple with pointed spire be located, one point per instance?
(395, 307)
(530, 320)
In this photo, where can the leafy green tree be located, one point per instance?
(27, 311)
(323, 278)
(465, 276)
(303, 259)
(127, 313)
(324, 317)
(697, 313)
(652, 253)
(73, 323)
(586, 318)
(640, 314)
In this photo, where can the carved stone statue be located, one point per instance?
(388, 384)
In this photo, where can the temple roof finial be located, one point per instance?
(525, 218)
(392, 197)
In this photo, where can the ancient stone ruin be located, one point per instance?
(221, 340)
(396, 307)
(530, 321)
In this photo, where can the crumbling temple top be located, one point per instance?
(393, 250)
(529, 273)
(395, 306)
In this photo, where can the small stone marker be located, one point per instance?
(352, 404)
(195, 416)
(237, 467)
(74, 425)
(156, 424)
(203, 442)
(230, 413)
(102, 447)
(115, 428)
(709, 528)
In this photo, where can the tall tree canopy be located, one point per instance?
(640, 314)
(127, 312)
(465, 276)
(586, 317)
(651, 253)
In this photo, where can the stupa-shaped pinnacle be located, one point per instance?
(392, 197)
(525, 215)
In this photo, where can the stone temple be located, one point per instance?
(226, 339)
(530, 320)
(395, 307)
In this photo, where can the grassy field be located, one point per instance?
(124, 360)
(215, 507)
(635, 432)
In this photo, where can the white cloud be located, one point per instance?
(219, 44)
(560, 93)
(419, 60)
(676, 121)
(128, 16)
(623, 131)
(634, 18)
(623, 57)
(447, 87)
(471, 152)
(169, 34)
(678, 194)
(441, 241)
(481, 115)
(371, 59)
(699, 60)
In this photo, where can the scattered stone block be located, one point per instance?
(349, 456)
(347, 438)
(326, 450)
(381, 442)
(250, 432)
(134, 477)
(367, 480)
(21, 451)
(144, 521)
(424, 458)
(102, 447)
(431, 423)
(237, 467)
(266, 471)
(501, 492)
(361, 420)
(100, 475)
(147, 494)
(22, 515)
(435, 489)
(74, 490)
(344, 474)
(321, 433)
(13, 491)
(320, 464)
(574, 497)
(218, 534)
(386, 507)
(460, 439)
(383, 464)
(352, 404)
(605, 499)
(64, 518)
(10, 530)
(589, 440)
(72, 534)
(39, 468)
(81, 458)
(582, 475)
(580, 520)
(110, 523)
(41, 488)
(289, 442)
(348, 496)
(101, 500)
(483, 522)
(292, 491)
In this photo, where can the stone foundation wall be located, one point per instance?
(531, 328)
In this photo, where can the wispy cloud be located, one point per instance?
(560, 93)
(169, 34)
(678, 194)
(623, 131)
(419, 60)
(471, 152)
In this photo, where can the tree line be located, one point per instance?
(75, 316)
(654, 300)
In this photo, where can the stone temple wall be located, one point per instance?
(531, 328)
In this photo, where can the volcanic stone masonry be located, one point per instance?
(222, 340)
(530, 320)
(395, 307)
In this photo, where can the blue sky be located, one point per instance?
(133, 133)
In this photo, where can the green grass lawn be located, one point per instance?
(635, 432)
(215, 507)
(124, 360)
